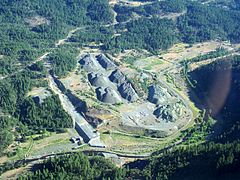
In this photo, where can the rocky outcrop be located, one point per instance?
(89, 63)
(105, 62)
(108, 95)
(128, 92)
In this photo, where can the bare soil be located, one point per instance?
(37, 20)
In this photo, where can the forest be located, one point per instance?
(202, 23)
(63, 60)
(76, 166)
(197, 23)
(124, 13)
(23, 113)
(151, 34)
(96, 35)
(23, 40)
(47, 115)
(204, 161)
(6, 137)
(227, 116)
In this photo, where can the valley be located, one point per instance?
(133, 81)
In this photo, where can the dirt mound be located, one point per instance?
(128, 92)
(105, 62)
(108, 95)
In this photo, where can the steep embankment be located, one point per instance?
(217, 90)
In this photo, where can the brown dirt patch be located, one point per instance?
(3, 159)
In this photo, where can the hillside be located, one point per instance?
(152, 86)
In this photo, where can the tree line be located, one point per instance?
(209, 160)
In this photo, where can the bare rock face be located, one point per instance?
(108, 95)
(105, 62)
(98, 80)
(128, 92)
(89, 63)
(117, 77)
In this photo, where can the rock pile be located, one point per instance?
(127, 92)
(105, 62)
(117, 77)
(169, 108)
(157, 95)
(110, 88)
(98, 80)
(89, 63)
(125, 88)
(166, 113)
(108, 95)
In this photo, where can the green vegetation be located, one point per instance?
(63, 60)
(7, 65)
(152, 64)
(48, 114)
(23, 110)
(199, 23)
(216, 72)
(12, 91)
(38, 66)
(213, 54)
(96, 34)
(151, 34)
(170, 79)
(6, 137)
(76, 166)
(124, 13)
(205, 161)
(193, 162)
(198, 133)
(186, 76)
(23, 38)
(29, 28)
(202, 23)
(130, 60)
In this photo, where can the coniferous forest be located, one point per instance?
(146, 27)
